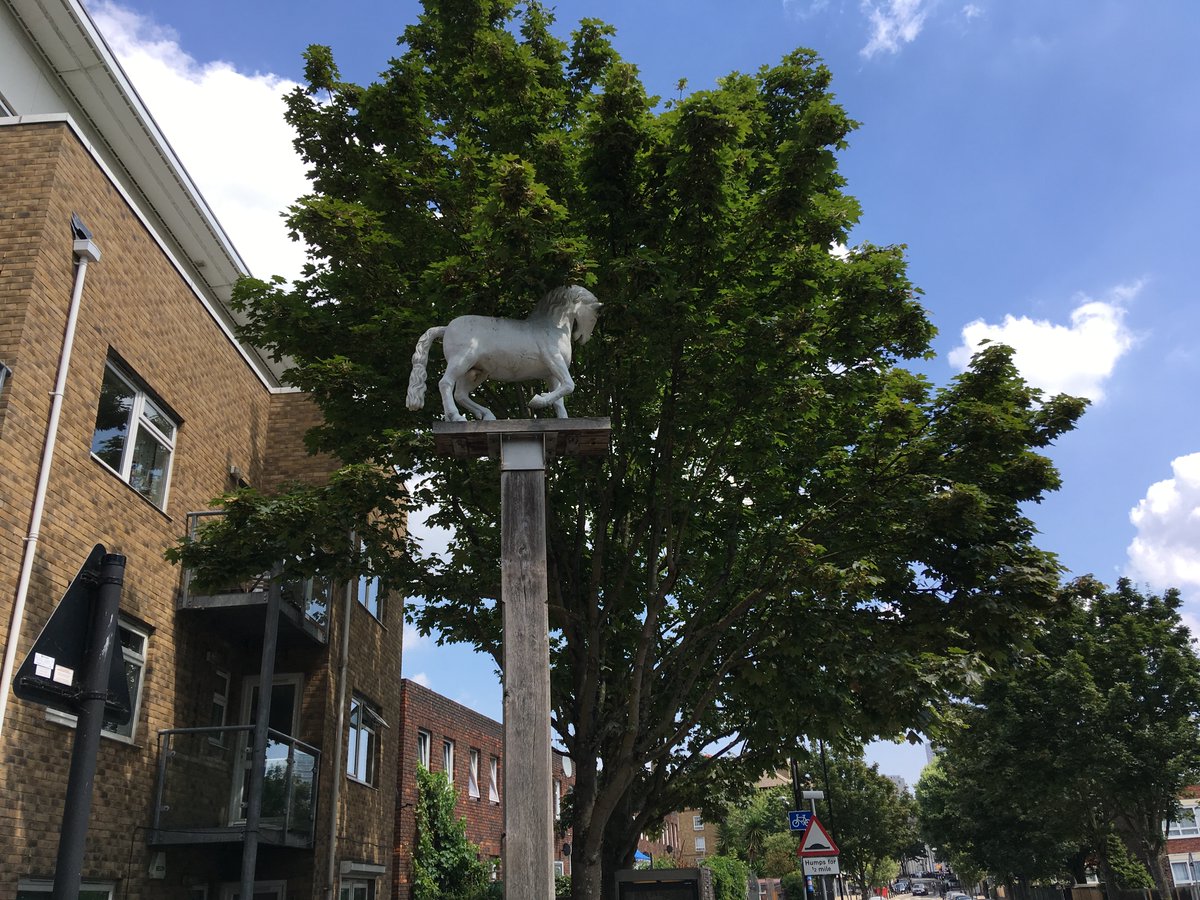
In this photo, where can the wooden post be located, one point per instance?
(523, 446)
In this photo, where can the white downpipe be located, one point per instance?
(339, 740)
(85, 251)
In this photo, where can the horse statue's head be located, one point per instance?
(573, 304)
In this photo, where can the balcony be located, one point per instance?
(242, 605)
(204, 780)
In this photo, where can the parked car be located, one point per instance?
(919, 889)
(901, 886)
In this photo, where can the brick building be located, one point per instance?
(1183, 839)
(446, 736)
(108, 251)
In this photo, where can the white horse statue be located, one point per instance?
(481, 347)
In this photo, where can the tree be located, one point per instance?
(776, 472)
(1089, 737)
(749, 825)
(445, 865)
(871, 820)
(730, 877)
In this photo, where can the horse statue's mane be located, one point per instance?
(482, 347)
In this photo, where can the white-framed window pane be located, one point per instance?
(357, 889)
(362, 746)
(1185, 825)
(424, 741)
(37, 889)
(701, 845)
(448, 760)
(557, 800)
(559, 868)
(133, 435)
(697, 823)
(473, 775)
(370, 591)
(494, 779)
(1179, 873)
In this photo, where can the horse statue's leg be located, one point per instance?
(560, 384)
(447, 388)
(462, 393)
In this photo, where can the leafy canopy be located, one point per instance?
(792, 527)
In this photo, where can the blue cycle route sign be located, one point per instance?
(798, 819)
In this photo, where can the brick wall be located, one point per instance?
(444, 719)
(136, 304)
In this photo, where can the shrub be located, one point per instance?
(729, 877)
(794, 885)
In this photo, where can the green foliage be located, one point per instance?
(729, 877)
(794, 885)
(446, 866)
(776, 470)
(1126, 871)
(778, 856)
(1096, 730)
(562, 887)
(749, 825)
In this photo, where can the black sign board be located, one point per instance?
(52, 674)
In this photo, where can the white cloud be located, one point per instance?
(893, 22)
(971, 11)
(1076, 359)
(414, 640)
(1166, 550)
(420, 678)
(226, 126)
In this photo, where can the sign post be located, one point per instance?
(819, 852)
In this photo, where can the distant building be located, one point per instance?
(445, 736)
(1183, 839)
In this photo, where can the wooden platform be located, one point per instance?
(563, 437)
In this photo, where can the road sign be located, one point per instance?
(816, 841)
(798, 819)
(822, 865)
(52, 673)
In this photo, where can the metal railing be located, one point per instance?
(310, 596)
(203, 783)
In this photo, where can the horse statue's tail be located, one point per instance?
(416, 381)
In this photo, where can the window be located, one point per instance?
(560, 868)
(134, 436)
(133, 648)
(370, 591)
(357, 889)
(1179, 873)
(423, 743)
(448, 759)
(557, 800)
(218, 716)
(1185, 825)
(363, 746)
(473, 775)
(37, 889)
(494, 780)
(701, 845)
(697, 823)
(4, 373)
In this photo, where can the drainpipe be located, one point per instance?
(85, 251)
(338, 742)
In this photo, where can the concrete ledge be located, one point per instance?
(562, 437)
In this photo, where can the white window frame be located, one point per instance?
(494, 779)
(697, 823)
(424, 747)
(43, 886)
(369, 592)
(557, 800)
(448, 759)
(473, 775)
(220, 701)
(5, 371)
(131, 657)
(560, 868)
(701, 845)
(1186, 825)
(231, 890)
(356, 889)
(138, 420)
(364, 722)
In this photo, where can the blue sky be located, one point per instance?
(1039, 159)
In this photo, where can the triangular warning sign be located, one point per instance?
(816, 841)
